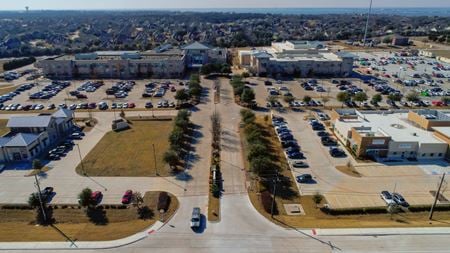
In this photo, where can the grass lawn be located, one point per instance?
(7, 89)
(130, 152)
(315, 218)
(3, 128)
(213, 208)
(18, 225)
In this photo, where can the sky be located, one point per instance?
(170, 4)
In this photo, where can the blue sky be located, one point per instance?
(158, 4)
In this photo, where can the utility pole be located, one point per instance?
(81, 160)
(436, 197)
(154, 156)
(367, 24)
(275, 182)
(40, 197)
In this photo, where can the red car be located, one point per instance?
(131, 105)
(97, 196)
(126, 199)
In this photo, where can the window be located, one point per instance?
(423, 154)
(394, 153)
(440, 154)
(411, 153)
(432, 154)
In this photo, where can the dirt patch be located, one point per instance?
(348, 170)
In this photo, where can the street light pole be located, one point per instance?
(436, 197)
(154, 156)
(81, 159)
(274, 196)
(40, 198)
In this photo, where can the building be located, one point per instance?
(198, 54)
(29, 136)
(162, 62)
(421, 134)
(297, 58)
(400, 41)
(440, 55)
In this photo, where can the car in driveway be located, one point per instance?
(305, 178)
(127, 196)
(387, 197)
(97, 197)
(195, 218)
(398, 198)
(299, 164)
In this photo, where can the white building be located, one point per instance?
(297, 58)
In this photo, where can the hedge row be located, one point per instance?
(14, 64)
(381, 210)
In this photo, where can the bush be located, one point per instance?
(354, 211)
(266, 200)
(163, 201)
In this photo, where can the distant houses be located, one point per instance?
(29, 136)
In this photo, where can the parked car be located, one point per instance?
(196, 218)
(305, 178)
(387, 197)
(97, 197)
(299, 164)
(46, 193)
(126, 198)
(337, 152)
(398, 198)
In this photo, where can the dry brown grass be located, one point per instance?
(3, 128)
(7, 89)
(315, 218)
(130, 152)
(213, 208)
(18, 225)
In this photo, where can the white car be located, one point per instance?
(387, 197)
(196, 218)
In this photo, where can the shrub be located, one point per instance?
(266, 200)
(163, 201)
(354, 211)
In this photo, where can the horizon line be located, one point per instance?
(227, 8)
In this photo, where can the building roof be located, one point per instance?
(395, 125)
(29, 121)
(63, 113)
(196, 46)
(443, 130)
(263, 55)
(346, 55)
(4, 140)
(22, 140)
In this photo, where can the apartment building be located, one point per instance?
(162, 62)
(296, 58)
(419, 134)
(30, 135)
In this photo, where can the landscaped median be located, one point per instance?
(264, 158)
(76, 223)
(215, 177)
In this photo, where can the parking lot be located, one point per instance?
(87, 94)
(344, 191)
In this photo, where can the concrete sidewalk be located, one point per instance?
(82, 245)
(377, 231)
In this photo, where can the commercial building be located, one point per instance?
(30, 135)
(162, 62)
(297, 58)
(400, 41)
(420, 134)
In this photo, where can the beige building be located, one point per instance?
(297, 58)
(393, 135)
(440, 55)
(162, 62)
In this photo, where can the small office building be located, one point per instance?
(393, 134)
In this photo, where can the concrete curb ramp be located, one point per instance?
(82, 245)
